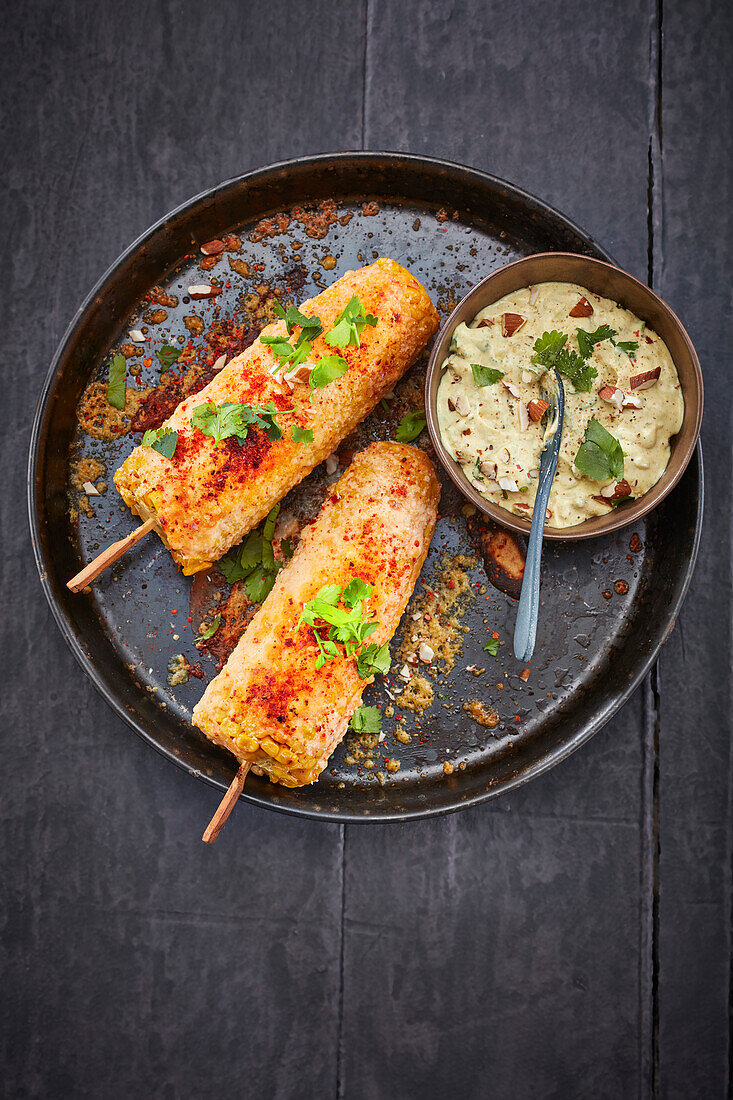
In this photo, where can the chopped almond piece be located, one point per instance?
(619, 491)
(510, 322)
(646, 380)
(537, 409)
(524, 675)
(582, 308)
(212, 248)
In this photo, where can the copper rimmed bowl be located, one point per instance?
(610, 282)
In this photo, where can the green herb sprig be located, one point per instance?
(366, 720)
(410, 427)
(232, 420)
(349, 325)
(162, 440)
(167, 356)
(600, 455)
(486, 376)
(347, 626)
(254, 561)
(116, 382)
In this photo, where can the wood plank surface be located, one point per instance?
(571, 939)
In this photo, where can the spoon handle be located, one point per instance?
(525, 630)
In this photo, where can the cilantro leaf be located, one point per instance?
(258, 585)
(232, 420)
(485, 376)
(116, 388)
(285, 353)
(373, 659)
(162, 440)
(211, 628)
(600, 455)
(355, 590)
(366, 720)
(167, 356)
(311, 326)
(629, 346)
(492, 646)
(302, 435)
(327, 370)
(588, 340)
(580, 372)
(410, 427)
(349, 325)
(547, 347)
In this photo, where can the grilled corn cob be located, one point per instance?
(208, 496)
(270, 705)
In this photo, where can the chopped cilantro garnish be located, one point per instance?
(347, 626)
(600, 455)
(492, 646)
(116, 387)
(232, 420)
(167, 356)
(366, 720)
(373, 659)
(327, 370)
(254, 561)
(211, 628)
(349, 324)
(286, 354)
(551, 352)
(410, 427)
(486, 376)
(629, 346)
(588, 340)
(302, 435)
(311, 326)
(162, 440)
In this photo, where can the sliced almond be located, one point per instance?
(582, 308)
(505, 456)
(511, 387)
(301, 373)
(533, 294)
(332, 464)
(523, 416)
(463, 405)
(632, 401)
(528, 376)
(425, 652)
(508, 484)
(534, 473)
(136, 336)
(487, 322)
(524, 675)
(537, 409)
(488, 469)
(90, 490)
(645, 380)
(203, 290)
(510, 322)
(212, 248)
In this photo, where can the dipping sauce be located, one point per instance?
(623, 401)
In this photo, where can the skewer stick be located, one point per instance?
(103, 561)
(226, 805)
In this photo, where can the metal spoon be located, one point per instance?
(525, 630)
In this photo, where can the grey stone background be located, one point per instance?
(569, 940)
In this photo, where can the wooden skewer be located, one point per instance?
(226, 805)
(103, 561)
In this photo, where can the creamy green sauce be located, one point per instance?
(488, 429)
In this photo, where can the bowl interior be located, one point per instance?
(609, 282)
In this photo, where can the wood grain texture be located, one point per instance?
(693, 240)
(515, 949)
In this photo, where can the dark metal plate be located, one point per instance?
(451, 226)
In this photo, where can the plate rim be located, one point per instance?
(344, 816)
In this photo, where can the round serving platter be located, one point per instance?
(607, 605)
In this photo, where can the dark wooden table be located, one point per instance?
(569, 940)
